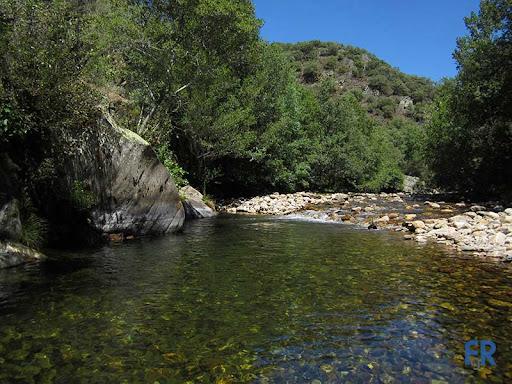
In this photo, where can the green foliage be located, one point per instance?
(41, 68)
(381, 83)
(33, 227)
(469, 128)
(311, 72)
(168, 160)
(81, 198)
(331, 64)
(33, 231)
(409, 139)
(356, 153)
(209, 201)
(222, 108)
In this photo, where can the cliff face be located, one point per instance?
(117, 177)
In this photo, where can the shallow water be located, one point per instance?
(241, 299)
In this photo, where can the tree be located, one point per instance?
(472, 116)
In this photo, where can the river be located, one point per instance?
(255, 299)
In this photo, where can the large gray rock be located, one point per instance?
(195, 208)
(130, 190)
(10, 223)
(12, 254)
(411, 184)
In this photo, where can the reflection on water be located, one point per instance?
(240, 299)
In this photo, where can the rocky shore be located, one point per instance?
(484, 230)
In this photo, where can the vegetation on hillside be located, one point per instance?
(382, 90)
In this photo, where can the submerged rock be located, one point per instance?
(12, 254)
(195, 207)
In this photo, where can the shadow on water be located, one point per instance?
(243, 299)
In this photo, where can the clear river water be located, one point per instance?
(259, 300)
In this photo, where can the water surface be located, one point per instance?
(241, 299)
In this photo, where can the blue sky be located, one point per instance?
(417, 36)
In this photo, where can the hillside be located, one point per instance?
(384, 91)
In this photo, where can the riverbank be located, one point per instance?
(483, 230)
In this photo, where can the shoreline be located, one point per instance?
(483, 230)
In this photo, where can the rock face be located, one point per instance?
(128, 188)
(12, 254)
(10, 223)
(195, 208)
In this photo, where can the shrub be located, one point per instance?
(33, 227)
(208, 200)
(33, 231)
(311, 73)
(331, 63)
(81, 198)
(167, 158)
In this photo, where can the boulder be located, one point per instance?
(492, 215)
(125, 187)
(12, 254)
(10, 223)
(195, 208)
(410, 184)
(418, 224)
(382, 220)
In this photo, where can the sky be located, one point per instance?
(417, 36)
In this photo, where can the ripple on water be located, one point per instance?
(244, 299)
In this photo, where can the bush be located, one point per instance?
(33, 231)
(381, 83)
(81, 198)
(311, 72)
(33, 228)
(331, 63)
(167, 158)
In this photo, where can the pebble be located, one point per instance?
(479, 231)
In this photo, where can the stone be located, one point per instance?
(476, 208)
(195, 207)
(410, 216)
(116, 237)
(508, 211)
(10, 222)
(462, 218)
(418, 224)
(499, 238)
(410, 184)
(442, 223)
(492, 215)
(132, 191)
(383, 219)
(13, 254)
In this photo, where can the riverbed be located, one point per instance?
(255, 299)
